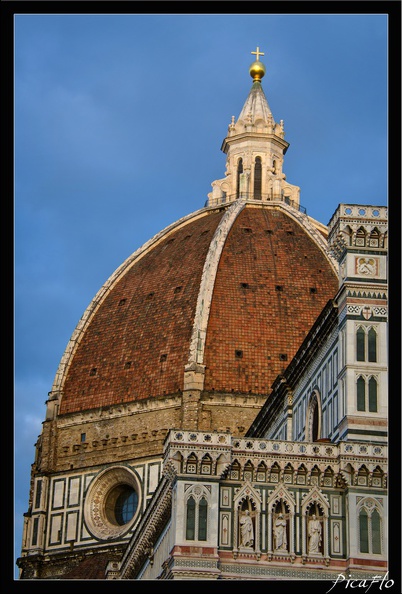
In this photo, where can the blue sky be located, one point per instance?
(119, 121)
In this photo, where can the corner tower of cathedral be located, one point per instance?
(189, 333)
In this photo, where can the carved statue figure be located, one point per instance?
(280, 538)
(246, 529)
(314, 534)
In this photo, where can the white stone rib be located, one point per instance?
(197, 344)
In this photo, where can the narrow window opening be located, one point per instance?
(238, 354)
(83, 437)
(363, 525)
(372, 345)
(93, 371)
(313, 290)
(279, 288)
(257, 178)
(239, 172)
(360, 347)
(372, 395)
(190, 523)
(361, 394)
(35, 532)
(163, 357)
(38, 493)
(376, 532)
(202, 519)
(315, 423)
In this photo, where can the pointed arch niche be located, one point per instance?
(315, 511)
(314, 417)
(281, 522)
(247, 506)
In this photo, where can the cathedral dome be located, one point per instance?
(261, 275)
(194, 327)
(150, 454)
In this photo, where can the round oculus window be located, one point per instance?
(112, 503)
(121, 505)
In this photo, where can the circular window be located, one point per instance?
(121, 505)
(112, 503)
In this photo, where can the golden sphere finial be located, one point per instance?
(257, 68)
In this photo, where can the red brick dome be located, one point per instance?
(234, 291)
(214, 307)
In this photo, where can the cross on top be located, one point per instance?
(258, 53)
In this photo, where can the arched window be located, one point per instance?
(376, 532)
(202, 519)
(372, 393)
(360, 342)
(257, 178)
(315, 424)
(239, 172)
(361, 393)
(366, 345)
(197, 516)
(363, 525)
(372, 345)
(370, 528)
(190, 525)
